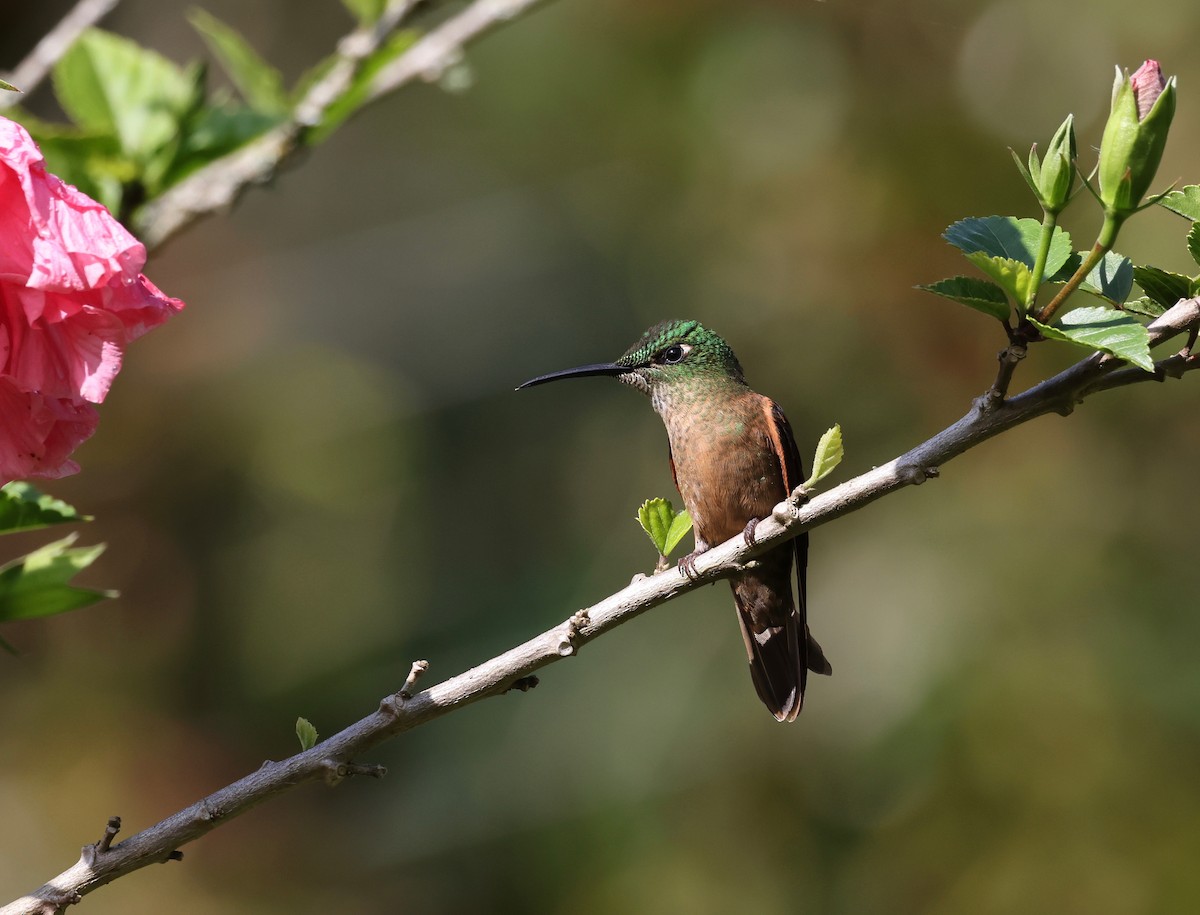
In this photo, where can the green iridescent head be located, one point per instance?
(673, 350)
(668, 353)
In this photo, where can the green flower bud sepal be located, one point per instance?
(1134, 137)
(1053, 179)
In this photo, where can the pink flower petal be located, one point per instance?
(38, 434)
(1148, 84)
(72, 295)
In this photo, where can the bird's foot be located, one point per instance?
(748, 533)
(687, 565)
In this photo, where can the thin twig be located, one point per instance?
(442, 48)
(110, 833)
(514, 667)
(1009, 358)
(217, 186)
(41, 60)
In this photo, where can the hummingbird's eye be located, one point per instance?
(672, 354)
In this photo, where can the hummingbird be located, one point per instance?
(733, 458)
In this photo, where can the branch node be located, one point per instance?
(110, 833)
(209, 813)
(336, 771)
(524, 684)
(437, 67)
(566, 643)
(916, 476)
(1008, 357)
(56, 900)
(418, 668)
(800, 495)
(175, 855)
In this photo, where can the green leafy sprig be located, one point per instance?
(39, 583)
(1021, 257)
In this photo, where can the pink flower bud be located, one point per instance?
(1142, 108)
(1148, 84)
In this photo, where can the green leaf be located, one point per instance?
(1009, 238)
(828, 456)
(1067, 270)
(1193, 242)
(307, 733)
(974, 293)
(356, 96)
(1164, 287)
(260, 84)
(1111, 279)
(1014, 276)
(680, 525)
(1145, 306)
(365, 11)
(110, 85)
(37, 584)
(655, 517)
(1032, 173)
(161, 163)
(9, 86)
(1185, 202)
(1105, 330)
(23, 508)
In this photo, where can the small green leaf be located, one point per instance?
(1164, 287)
(37, 584)
(974, 293)
(307, 733)
(356, 96)
(828, 455)
(159, 164)
(655, 517)
(9, 86)
(108, 84)
(1105, 330)
(260, 84)
(1143, 305)
(1111, 279)
(1014, 276)
(213, 133)
(680, 525)
(1185, 202)
(23, 508)
(1193, 242)
(365, 11)
(1067, 270)
(1032, 173)
(1009, 238)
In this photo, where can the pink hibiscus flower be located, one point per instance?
(71, 296)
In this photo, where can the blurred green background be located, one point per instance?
(320, 471)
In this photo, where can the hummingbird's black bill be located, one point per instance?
(602, 368)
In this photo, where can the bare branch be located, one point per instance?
(41, 60)
(442, 48)
(217, 186)
(332, 759)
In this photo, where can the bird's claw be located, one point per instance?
(687, 565)
(748, 533)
